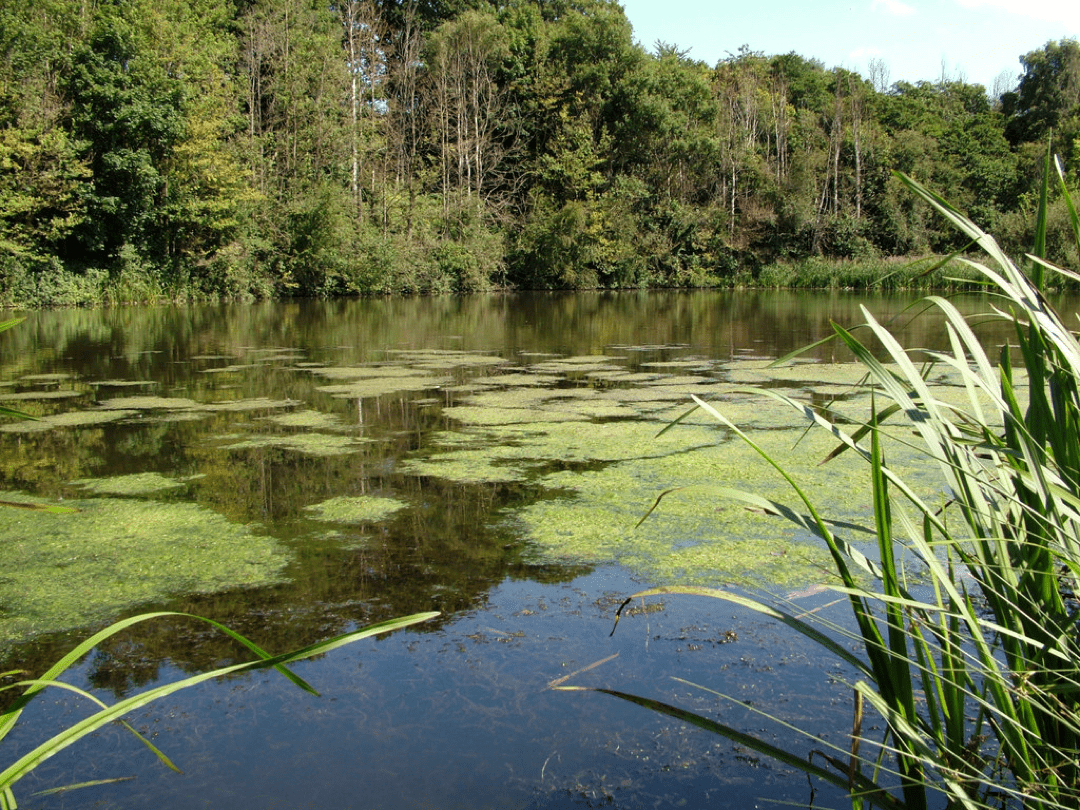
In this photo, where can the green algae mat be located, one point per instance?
(84, 566)
(293, 470)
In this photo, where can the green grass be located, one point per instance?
(973, 668)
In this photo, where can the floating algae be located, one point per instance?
(311, 420)
(445, 358)
(494, 465)
(517, 451)
(695, 535)
(69, 419)
(148, 403)
(121, 383)
(310, 444)
(491, 415)
(698, 534)
(683, 379)
(512, 378)
(363, 372)
(621, 376)
(238, 367)
(697, 365)
(378, 386)
(355, 509)
(801, 374)
(148, 483)
(22, 396)
(242, 405)
(46, 378)
(571, 368)
(70, 570)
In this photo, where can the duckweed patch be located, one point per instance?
(682, 380)
(623, 376)
(22, 396)
(148, 403)
(491, 415)
(695, 535)
(514, 397)
(518, 451)
(807, 374)
(121, 383)
(71, 570)
(147, 483)
(518, 405)
(646, 395)
(472, 466)
(355, 509)
(308, 419)
(310, 444)
(447, 358)
(46, 378)
(699, 364)
(519, 378)
(610, 441)
(363, 372)
(256, 404)
(379, 386)
(69, 419)
(572, 368)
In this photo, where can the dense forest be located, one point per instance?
(180, 149)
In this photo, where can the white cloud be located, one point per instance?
(899, 9)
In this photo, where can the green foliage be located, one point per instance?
(1049, 91)
(193, 149)
(127, 110)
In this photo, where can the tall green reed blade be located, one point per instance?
(1039, 248)
(892, 670)
(68, 736)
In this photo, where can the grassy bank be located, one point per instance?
(446, 270)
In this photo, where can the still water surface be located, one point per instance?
(299, 469)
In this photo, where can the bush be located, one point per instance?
(33, 282)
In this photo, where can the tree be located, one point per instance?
(42, 179)
(366, 59)
(43, 172)
(1048, 93)
(127, 109)
(467, 106)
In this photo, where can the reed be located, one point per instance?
(976, 677)
(105, 714)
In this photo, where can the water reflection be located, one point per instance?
(457, 709)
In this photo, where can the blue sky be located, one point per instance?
(975, 40)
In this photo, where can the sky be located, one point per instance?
(972, 40)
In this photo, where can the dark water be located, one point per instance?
(458, 712)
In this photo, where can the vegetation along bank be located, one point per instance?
(187, 149)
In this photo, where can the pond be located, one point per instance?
(296, 470)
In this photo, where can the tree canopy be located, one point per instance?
(260, 148)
